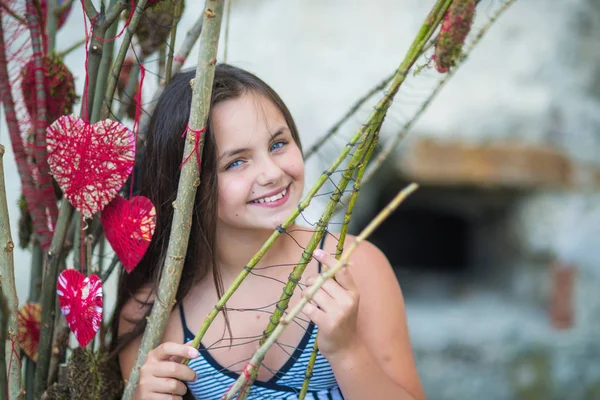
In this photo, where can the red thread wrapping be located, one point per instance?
(196, 149)
(247, 372)
(29, 320)
(129, 226)
(90, 162)
(80, 300)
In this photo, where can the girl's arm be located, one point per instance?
(370, 354)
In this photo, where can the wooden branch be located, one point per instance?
(45, 195)
(104, 68)
(186, 191)
(3, 330)
(257, 358)
(393, 144)
(9, 291)
(177, 17)
(38, 216)
(359, 103)
(90, 9)
(118, 64)
(53, 257)
(51, 24)
(340, 246)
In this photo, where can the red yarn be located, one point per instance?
(59, 87)
(129, 226)
(453, 32)
(90, 162)
(29, 320)
(198, 133)
(80, 300)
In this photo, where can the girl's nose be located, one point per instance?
(269, 172)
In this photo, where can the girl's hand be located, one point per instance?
(162, 374)
(334, 309)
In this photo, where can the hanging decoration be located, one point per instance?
(80, 300)
(29, 320)
(59, 85)
(156, 23)
(453, 32)
(128, 227)
(90, 162)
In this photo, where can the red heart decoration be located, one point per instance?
(129, 226)
(80, 300)
(89, 162)
(29, 320)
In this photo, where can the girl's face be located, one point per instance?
(260, 167)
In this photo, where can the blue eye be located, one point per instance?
(234, 164)
(277, 145)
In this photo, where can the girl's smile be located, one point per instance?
(260, 165)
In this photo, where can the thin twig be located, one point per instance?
(71, 48)
(393, 144)
(178, 60)
(177, 17)
(104, 68)
(46, 195)
(9, 291)
(12, 13)
(53, 256)
(90, 9)
(30, 192)
(227, 24)
(333, 130)
(113, 78)
(188, 183)
(3, 330)
(259, 355)
(340, 246)
(51, 24)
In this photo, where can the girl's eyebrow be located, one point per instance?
(235, 152)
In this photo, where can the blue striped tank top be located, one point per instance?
(214, 380)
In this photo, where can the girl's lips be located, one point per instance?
(276, 203)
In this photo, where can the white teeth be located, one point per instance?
(271, 198)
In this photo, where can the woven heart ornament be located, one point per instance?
(80, 300)
(29, 320)
(89, 162)
(129, 226)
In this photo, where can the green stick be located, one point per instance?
(9, 292)
(340, 247)
(186, 191)
(259, 355)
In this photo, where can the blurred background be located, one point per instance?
(498, 253)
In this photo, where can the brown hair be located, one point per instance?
(159, 165)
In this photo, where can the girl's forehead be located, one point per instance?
(248, 117)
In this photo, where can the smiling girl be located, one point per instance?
(252, 178)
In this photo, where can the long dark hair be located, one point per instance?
(160, 169)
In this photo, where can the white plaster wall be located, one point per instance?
(322, 55)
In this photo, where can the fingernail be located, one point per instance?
(196, 378)
(193, 353)
(318, 253)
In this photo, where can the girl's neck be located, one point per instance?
(237, 247)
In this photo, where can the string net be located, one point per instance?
(226, 353)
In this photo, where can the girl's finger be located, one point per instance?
(172, 387)
(314, 314)
(169, 349)
(172, 369)
(337, 292)
(345, 279)
(324, 301)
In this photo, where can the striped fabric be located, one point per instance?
(214, 380)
